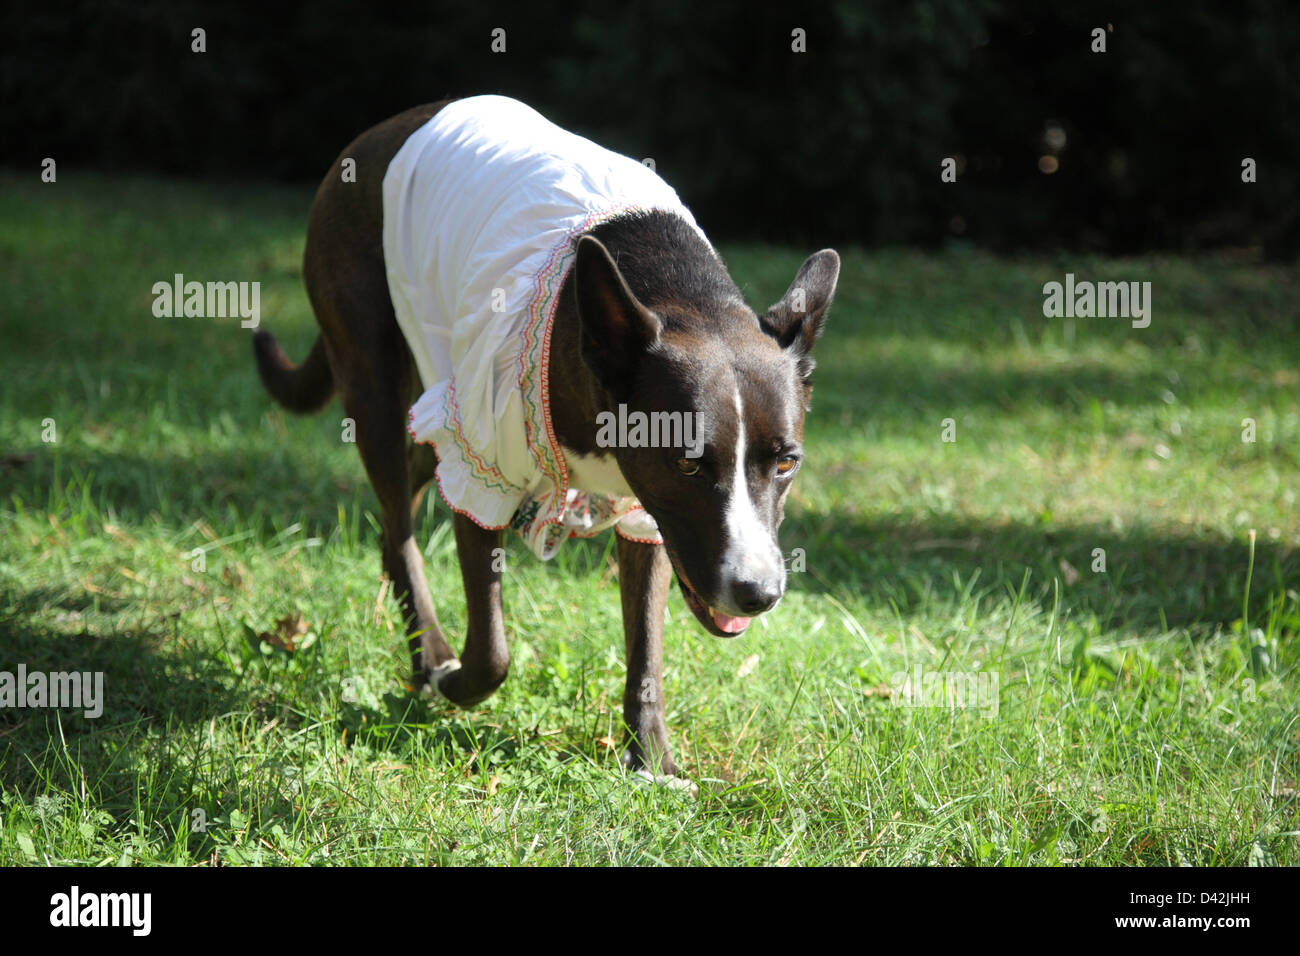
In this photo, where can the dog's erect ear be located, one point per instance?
(796, 321)
(616, 328)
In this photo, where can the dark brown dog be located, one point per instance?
(664, 328)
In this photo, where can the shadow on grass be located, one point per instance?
(159, 698)
(156, 696)
(148, 700)
(905, 388)
(405, 721)
(265, 493)
(149, 750)
(1151, 579)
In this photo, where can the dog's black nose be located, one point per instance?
(755, 597)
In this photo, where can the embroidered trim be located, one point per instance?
(489, 475)
(445, 500)
(534, 370)
(533, 379)
(631, 537)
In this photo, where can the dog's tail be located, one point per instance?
(301, 389)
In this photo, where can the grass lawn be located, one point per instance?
(1141, 714)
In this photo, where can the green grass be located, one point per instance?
(1145, 715)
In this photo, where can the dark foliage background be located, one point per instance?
(841, 143)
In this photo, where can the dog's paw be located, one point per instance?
(438, 673)
(671, 781)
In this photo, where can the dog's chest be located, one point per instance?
(595, 474)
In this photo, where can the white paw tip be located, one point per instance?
(680, 784)
(437, 674)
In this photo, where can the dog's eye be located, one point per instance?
(688, 466)
(787, 464)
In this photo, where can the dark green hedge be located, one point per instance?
(841, 143)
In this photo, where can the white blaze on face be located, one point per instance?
(751, 554)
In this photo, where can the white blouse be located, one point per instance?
(483, 206)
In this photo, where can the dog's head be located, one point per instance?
(731, 388)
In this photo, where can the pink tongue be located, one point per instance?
(730, 625)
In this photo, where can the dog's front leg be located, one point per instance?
(644, 574)
(485, 661)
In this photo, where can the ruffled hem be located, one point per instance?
(540, 520)
(467, 484)
(582, 516)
